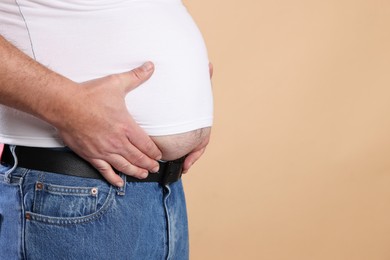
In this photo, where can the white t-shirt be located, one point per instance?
(84, 39)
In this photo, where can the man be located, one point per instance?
(53, 204)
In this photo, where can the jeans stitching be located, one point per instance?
(75, 220)
(46, 191)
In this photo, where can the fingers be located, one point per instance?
(132, 79)
(139, 159)
(120, 164)
(192, 158)
(137, 137)
(144, 143)
(107, 172)
(143, 152)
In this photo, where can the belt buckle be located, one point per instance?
(172, 173)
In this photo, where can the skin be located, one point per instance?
(200, 149)
(93, 121)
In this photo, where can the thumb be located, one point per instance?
(132, 79)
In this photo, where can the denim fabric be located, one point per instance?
(52, 216)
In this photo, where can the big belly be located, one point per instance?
(179, 145)
(89, 41)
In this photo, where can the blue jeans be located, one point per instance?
(52, 216)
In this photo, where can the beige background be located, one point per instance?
(298, 167)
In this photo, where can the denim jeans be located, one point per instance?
(52, 216)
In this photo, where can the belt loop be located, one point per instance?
(7, 175)
(121, 191)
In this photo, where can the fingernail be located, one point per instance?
(120, 184)
(148, 66)
(155, 169)
(143, 175)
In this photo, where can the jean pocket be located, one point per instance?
(64, 201)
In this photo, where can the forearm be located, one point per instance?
(30, 87)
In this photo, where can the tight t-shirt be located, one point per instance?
(83, 40)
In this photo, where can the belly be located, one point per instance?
(179, 145)
(89, 41)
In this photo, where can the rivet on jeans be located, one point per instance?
(94, 191)
(39, 186)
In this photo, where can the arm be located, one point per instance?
(91, 117)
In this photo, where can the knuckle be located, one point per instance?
(137, 74)
(136, 172)
(124, 167)
(150, 146)
(115, 79)
(139, 159)
(103, 168)
(115, 144)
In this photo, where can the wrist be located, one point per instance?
(60, 102)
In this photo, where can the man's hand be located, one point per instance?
(92, 117)
(200, 149)
(104, 133)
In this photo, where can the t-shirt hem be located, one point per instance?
(178, 129)
(32, 141)
(151, 131)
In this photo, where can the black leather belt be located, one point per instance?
(64, 161)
